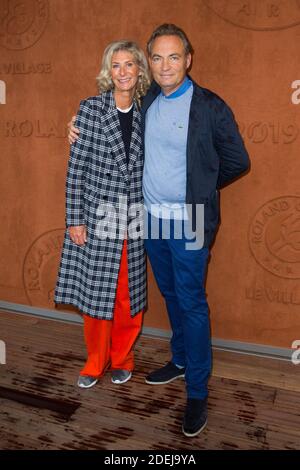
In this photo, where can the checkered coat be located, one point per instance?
(106, 196)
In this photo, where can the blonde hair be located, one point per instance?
(104, 79)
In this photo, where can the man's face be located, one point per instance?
(169, 62)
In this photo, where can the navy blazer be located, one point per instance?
(216, 154)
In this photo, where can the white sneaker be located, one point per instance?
(120, 376)
(86, 381)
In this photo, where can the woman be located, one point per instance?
(102, 270)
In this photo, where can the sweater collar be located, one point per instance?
(180, 91)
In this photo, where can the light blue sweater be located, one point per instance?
(164, 180)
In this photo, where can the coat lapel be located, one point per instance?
(136, 140)
(112, 130)
(197, 120)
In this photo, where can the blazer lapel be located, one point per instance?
(112, 130)
(197, 120)
(136, 140)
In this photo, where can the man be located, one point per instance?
(192, 149)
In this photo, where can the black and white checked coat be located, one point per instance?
(98, 184)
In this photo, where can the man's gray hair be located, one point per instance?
(170, 29)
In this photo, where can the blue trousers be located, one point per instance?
(180, 276)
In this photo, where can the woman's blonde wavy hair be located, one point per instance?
(104, 79)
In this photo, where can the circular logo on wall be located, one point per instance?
(258, 15)
(22, 22)
(41, 266)
(274, 236)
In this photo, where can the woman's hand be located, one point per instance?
(78, 234)
(73, 131)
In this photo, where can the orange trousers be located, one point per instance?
(110, 343)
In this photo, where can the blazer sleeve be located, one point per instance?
(77, 165)
(234, 159)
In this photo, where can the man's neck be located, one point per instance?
(179, 90)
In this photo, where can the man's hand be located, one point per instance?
(78, 234)
(73, 131)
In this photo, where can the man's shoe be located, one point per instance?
(120, 376)
(165, 374)
(86, 381)
(195, 417)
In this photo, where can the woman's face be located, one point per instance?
(124, 71)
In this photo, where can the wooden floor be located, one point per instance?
(254, 403)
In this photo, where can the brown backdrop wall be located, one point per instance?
(246, 51)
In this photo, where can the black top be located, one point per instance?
(126, 128)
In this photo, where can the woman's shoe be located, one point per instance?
(120, 376)
(86, 381)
